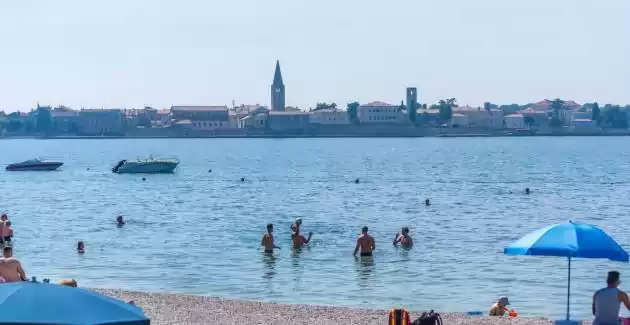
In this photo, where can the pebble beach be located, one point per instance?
(172, 309)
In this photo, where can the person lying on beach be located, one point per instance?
(267, 240)
(10, 268)
(365, 243)
(299, 240)
(500, 307)
(403, 238)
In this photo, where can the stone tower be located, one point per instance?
(277, 90)
(412, 103)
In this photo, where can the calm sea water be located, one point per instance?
(199, 232)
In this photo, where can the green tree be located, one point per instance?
(556, 105)
(596, 112)
(353, 112)
(320, 106)
(43, 121)
(614, 117)
(529, 121)
(446, 108)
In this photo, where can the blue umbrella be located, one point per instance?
(569, 240)
(52, 304)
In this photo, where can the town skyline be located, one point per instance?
(131, 54)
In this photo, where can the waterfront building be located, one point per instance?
(254, 121)
(101, 122)
(277, 91)
(459, 120)
(163, 117)
(515, 121)
(540, 118)
(481, 118)
(584, 125)
(65, 121)
(380, 112)
(329, 116)
(201, 117)
(288, 121)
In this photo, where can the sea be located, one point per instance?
(198, 231)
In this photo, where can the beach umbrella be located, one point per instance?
(53, 304)
(570, 240)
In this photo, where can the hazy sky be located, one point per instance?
(130, 53)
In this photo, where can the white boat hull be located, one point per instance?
(153, 167)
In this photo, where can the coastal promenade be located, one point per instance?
(175, 309)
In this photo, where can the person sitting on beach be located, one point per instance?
(10, 268)
(500, 307)
(607, 301)
(403, 238)
(7, 232)
(299, 240)
(267, 240)
(365, 243)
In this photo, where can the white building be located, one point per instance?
(481, 118)
(379, 112)
(459, 120)
(584, 125)
(515, 121)
(329, 116)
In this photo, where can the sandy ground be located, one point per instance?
(171, 309)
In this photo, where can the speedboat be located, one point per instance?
(146, 166)
(35, 164)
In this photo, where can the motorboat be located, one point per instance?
(35, 165)
(146, 166)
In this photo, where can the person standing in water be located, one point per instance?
(299, 240)
(120, 221)
(267, 240)
(365, 243)
(403, 238)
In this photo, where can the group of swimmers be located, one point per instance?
(365, 245)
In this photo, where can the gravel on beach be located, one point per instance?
(167, 309)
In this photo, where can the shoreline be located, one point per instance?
(171, 309)
(310, 136)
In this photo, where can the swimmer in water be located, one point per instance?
(299, 240)
(267, 240)
(120, 221)
(403, 238)
(80, 247)
(527, 191)
(295, 226)
(356, 181)
(242, 179)
(427, 202)
(365, 243)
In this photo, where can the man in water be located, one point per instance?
(267, 240)
(10, 268)
(500, 307)
(299, 240)
(403, 238)
(295, 226)
(7, 232)
(607, 301)
(365, 243)
(120, 221)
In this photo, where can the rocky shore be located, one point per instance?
(172, 309)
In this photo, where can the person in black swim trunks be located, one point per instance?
(365, 243)
(267, 240)
(7, 232)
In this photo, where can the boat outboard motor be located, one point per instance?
(120, 163)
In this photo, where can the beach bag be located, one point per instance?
(430, 318)
(399, 317)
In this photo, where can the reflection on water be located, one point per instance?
(365, 266)
(269, 263)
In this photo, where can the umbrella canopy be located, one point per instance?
(52, 304)
(569, 240)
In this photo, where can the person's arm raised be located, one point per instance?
(623, 297)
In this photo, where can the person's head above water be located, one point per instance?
(527, 190)
(427, 202)
(298, 221)
(613, 279)
(120, 220)
(80, 246)
(364, 229)
(405, 231)
(8, 224)
(269, 227)
(4, 217)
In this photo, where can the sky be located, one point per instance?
(132, 53)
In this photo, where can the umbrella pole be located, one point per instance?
(569, 289)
